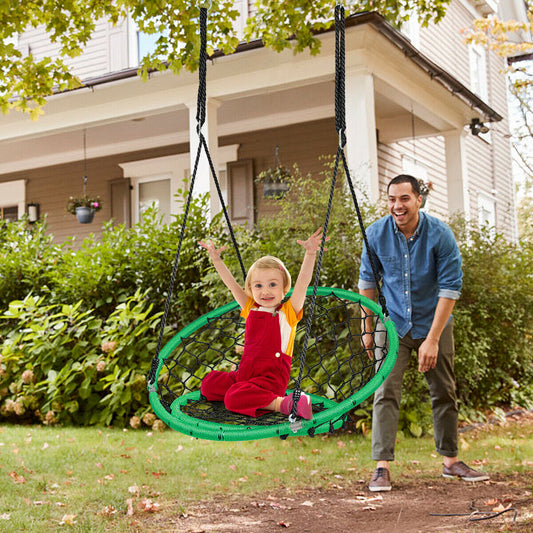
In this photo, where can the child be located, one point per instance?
(259, 384)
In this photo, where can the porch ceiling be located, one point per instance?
(257, 89)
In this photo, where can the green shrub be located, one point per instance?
(27, 256)
(80, 321)
(494, 321)
(62, 364)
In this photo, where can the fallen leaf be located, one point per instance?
(464, 444)
(134, 489)
(500, 508)
(108, 511)
(17, 478)
(341, 444)
(159, 473)
(233, 467)
(68, 520)
(129, 504)
(99, 465)
(277, 506)
(148, 506)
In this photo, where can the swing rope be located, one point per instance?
(200, 120)
(340, 126)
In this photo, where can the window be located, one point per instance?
(478, 71)
(146, 44)
(12, 199)
(154, 182)
(155, 193)
(9, 214)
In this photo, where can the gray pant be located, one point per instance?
(441, 383)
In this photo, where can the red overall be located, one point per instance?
(263, 372)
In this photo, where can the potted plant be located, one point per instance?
(84, 207)
(275, 181)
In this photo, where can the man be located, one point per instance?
(419, 266)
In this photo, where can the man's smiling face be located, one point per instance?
(403, 204)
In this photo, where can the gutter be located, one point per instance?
(376, 20)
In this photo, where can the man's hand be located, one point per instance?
(367, 340)
(427, 354)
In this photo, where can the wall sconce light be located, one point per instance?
(33, 213)
(477, 127)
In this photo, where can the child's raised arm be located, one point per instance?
(311, 245)
(225, 275)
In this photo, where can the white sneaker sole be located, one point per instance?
(379, 489)
(472, 479)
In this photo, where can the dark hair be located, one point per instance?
(406, 178)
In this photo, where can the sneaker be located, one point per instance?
(460, 470)
(380, 480)
(304, 409)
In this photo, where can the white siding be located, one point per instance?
(106, 51)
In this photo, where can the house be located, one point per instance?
(418, 100)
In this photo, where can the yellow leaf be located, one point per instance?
(68, 519)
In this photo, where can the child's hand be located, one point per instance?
(312, 244)
(214, 253)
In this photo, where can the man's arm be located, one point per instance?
(429, 349)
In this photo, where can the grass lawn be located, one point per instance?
(90, 479)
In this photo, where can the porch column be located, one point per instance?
(203, 182)
(361, 146)
(457, 173)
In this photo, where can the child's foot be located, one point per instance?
(304, 409)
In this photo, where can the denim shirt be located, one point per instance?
(415, 272)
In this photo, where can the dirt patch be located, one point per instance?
(411, 507)
(406, 509)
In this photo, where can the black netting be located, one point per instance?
(336, 364)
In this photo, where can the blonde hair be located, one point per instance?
(268, 261)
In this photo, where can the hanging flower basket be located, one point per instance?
(84, 208)
(275, 181)
(85, 215)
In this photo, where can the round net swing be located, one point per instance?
(338, 373)
(330, 362)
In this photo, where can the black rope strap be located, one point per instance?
(340, 126)
(202, 144)
(340, 90)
